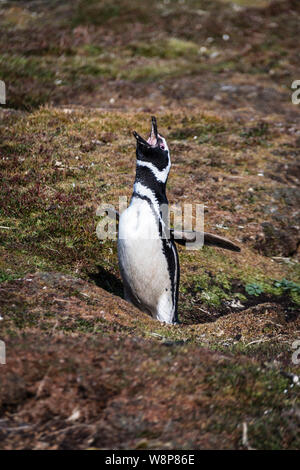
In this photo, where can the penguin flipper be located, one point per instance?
(215, 240)
(184, 237)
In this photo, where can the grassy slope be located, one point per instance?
(226, 112)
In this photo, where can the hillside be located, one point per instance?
(84, 368)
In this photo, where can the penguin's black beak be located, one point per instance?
(153, 134)
(140, 139)
(152, 140)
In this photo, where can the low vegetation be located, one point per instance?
(84, 368)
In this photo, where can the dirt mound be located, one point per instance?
(54, 301)
(59, 303)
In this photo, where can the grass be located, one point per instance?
(51, 190)
(167, 49)
(76, 59)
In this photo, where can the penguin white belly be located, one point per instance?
(143, 265)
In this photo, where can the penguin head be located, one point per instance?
(154, 150)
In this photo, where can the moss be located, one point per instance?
(7, 276)
(92, 49)
(158, 70)
(95, 13)
(206, 128)
(169, 48)
(251, 3)
(214, 296)
(20, 67)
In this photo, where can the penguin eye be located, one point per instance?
(162, 146)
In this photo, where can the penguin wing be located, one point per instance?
(183, 237)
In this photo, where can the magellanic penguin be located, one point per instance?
(148, 258)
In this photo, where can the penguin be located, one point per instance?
(147, 253)
(148, 258)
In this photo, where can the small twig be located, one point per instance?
(276, 324)
(52, 249)
(55, 326)
(262, 340)
(19, 428)
(156, 335)
(245, 441)
(204, 311)
(69, 428)
(42, 384)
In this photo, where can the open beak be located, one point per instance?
(152, 140)
(153, 134)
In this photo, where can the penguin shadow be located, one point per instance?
(107, 281)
